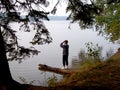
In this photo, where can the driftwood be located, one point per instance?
(43, 67)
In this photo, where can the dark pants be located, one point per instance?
(65, 60)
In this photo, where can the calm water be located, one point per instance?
(51, 54)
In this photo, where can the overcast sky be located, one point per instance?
(62, 6)
(60, 9)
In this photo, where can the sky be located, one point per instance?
(60, 9)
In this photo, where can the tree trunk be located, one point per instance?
(6, 80)
(43, 67)
(5, 75)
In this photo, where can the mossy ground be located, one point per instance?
(104, 75)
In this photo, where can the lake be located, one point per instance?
(51, 54)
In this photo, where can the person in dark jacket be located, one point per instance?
(65, 47)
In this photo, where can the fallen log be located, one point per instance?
(43, 67)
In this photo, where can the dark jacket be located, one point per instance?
(65, 48)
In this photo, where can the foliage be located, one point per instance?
(25, 81)
(92, 57)
(83, 12)
(108, 21)
(101, 14)
(52, 80)
(27, 13)
(109, 53)
(94, 51)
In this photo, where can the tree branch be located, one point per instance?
(43, 67)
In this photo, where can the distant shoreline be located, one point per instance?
(57, 17)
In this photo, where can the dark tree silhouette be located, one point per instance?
(11, 11)
(82, 12)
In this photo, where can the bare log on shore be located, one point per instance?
(43, 67)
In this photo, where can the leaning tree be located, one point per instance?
(11, 11)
